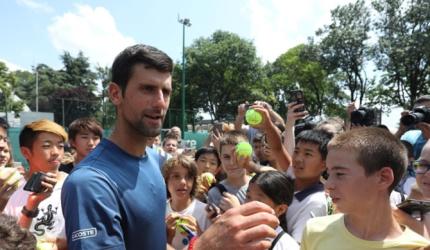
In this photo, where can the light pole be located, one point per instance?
(185, 22)
(37, 90)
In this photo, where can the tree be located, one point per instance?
(7, 85)
(403, 50)
(345, 48)
(107, 115)
(299, 68)
(222, 72)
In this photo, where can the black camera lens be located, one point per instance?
(419, 114)
(412, 119)
(358, 116)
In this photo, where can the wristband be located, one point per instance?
(192, 242)
(30, 213)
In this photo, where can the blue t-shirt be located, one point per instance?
(115, 200)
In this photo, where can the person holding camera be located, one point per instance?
(415, 125)
(36, 203)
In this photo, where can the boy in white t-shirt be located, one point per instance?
(42, 144)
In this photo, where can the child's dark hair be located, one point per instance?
(207, 150)
(318, 137)
(278, 187)
(85, 124)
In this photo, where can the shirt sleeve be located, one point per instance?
(91, 211)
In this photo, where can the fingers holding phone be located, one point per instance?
(41, 185)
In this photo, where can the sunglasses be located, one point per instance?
(421, 167)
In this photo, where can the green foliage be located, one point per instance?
(345, 48)
(7, 86)
(107, 113)
(222, 72)
(403, 49)
(299, 68)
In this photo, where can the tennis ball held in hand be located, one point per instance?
(253, 117)
(244, 149)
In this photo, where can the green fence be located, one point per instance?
(193, 140)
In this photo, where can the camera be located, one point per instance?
(419, 114)
(364, 116)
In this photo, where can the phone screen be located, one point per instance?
(297, 97)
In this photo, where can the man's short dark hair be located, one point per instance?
(85, 124)
(12, 236)
(151, 57)
(317, 137)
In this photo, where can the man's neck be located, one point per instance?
(128, 140)
(374, 224)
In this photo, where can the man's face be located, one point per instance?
(423, 178)
(85, 142)
(144, 104)
(423, 126)
(307, 161)
(46, 153)
(349, 187)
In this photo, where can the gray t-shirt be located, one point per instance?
(214, 195)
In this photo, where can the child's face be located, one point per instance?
(85, 142)
(179, 183)
(349, 187)
(254, 193)
(307, 161)
(46, 153)
(207, 163)
(228, 162)
(4, 155)
(170, 146)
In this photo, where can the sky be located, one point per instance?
(38, 31)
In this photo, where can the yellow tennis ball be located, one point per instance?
(253, 117)
(244, 149)
(208, 178)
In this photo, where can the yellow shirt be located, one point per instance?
(330, 233)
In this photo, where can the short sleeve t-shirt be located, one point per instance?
(115, 200)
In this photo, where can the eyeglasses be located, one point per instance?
(421, 167)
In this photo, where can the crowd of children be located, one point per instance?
(331, 186)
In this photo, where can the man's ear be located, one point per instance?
(115, 93)
(386, 177)
(26, 152)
